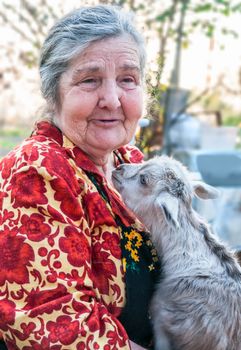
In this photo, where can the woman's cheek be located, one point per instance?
(134, 105)
(81, 105)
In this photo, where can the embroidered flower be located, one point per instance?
(76, 246)
(134, 237)
(15, 257)
(131, 154)
(69, 204)
(63, 330)
(57, 164)
(88, 344)
(133, 241)
(97, 210)
(28, 189)
(44, 344)
(112, 244)
(6, 166)
(7, 314)
(30, 151)
(116, 340)
(34, 227)
(103, 269)
(46, 300)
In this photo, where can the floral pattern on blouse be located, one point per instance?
(61, 275)
(132, 242)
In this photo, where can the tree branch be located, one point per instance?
(17, 29)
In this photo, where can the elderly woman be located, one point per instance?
(77, 268)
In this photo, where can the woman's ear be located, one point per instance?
(204, 191)
(170, 208)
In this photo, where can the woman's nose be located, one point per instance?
(110, 94)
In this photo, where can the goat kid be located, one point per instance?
(197, 304)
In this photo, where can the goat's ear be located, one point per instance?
(170, 208)
(204, 191)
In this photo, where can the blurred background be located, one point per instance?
(193, 86)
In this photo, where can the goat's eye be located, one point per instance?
(143, 179)
(170, 175)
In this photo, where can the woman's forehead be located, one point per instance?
(123, 51)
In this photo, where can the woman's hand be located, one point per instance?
(135, 346)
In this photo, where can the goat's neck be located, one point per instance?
(183, 245)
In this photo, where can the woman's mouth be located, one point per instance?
(106, 122)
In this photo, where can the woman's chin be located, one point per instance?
(109, 140)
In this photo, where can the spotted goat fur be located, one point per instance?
(197, 303)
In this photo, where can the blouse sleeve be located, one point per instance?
(47, 294)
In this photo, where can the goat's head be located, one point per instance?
(159, 186)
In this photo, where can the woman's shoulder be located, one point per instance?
(40, 150)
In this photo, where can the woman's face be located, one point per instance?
(101, 96)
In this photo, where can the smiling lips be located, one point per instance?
(106, 122)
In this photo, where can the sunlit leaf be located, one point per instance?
(223, 2)
(164, 15)
(203, 8)
(236, 8)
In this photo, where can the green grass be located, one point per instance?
(11, 138)
(14, 133)
(234, 120)
(7, 144)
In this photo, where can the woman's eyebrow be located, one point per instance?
(128, 66)
(94, 69)
(88, 69)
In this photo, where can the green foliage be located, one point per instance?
(11, 138)
(203, 7)
(232, 120)
(164, 15)
(8, 133)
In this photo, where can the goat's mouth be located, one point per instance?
(116, 181)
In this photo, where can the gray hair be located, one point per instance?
(75, 32)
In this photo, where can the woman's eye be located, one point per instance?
(128, 82)
(143, 180)
(88, 81)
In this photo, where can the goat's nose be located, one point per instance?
(120, 169)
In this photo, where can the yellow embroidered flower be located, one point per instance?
(134, 241)
(134, 255)
(138, 244)
(130, 235)
(128, 246)
(151, 267)
(124, 264)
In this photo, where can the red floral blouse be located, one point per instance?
(61, 274)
